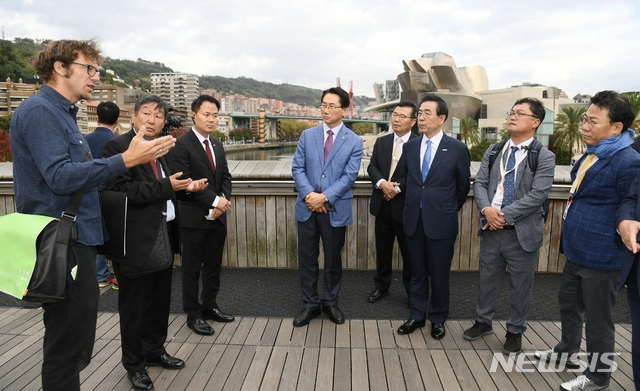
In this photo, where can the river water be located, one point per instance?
(284, 153)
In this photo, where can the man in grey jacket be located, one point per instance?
(510, 194)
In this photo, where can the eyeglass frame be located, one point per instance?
(324, 106)
(584, 120)
(426, 115)
(517, 115)
(401, 116)
(88, 66)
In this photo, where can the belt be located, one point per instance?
(509, 227)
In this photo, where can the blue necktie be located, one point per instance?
(425, 161)
(509, 183)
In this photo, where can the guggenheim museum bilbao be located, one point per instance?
(466, 91)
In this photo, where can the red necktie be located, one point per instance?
(328, 144)
(210, 156)
(154, 167)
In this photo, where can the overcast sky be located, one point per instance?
(580, 46)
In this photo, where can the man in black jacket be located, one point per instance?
(144, 273)
(386, 171)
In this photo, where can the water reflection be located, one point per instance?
(284, 153)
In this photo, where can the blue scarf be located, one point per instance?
(609, 146)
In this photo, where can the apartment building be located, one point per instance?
(178, 89)
(14, 93)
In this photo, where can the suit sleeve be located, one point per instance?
(138, 192)
(299, 167)
(463, 172)
(481, 184)
(375, 174)
(540, 187)
(629, 205)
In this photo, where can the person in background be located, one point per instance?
(510, 196)
(437, 174)
(108, 114)
(325, 167)
(595, 253)
(51, 160)
(203, 215)
(386, 171)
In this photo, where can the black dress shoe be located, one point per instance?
(217, 315)
(199, 326)
(140, 380)
(335, 315)
(165, 361)
(305, 316)
(410, 326)
(377, 295)
(437, 330)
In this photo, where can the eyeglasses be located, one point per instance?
(401, 116)
(517, 114)
(330, 107)
(91, 70)
(592, 124)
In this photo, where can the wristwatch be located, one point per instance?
(326, 199)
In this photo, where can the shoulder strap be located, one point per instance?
(74, 201)
(495, 149)
(534, 153)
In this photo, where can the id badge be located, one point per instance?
(497, 198)
(566, 210)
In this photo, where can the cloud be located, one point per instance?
(582, 48)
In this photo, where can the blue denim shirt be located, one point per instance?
(49, 163)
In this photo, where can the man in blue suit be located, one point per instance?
(628, 221)
(108, 114)
(437, 176)
(595, 252)
(325, 167)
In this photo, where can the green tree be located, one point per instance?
(291, 129)
(218, 135)
(240, 134)
(360, 128)
(634, 98)
(477, 151)
(563, 157)
(567, 129)
(469, 131)
(5, 122)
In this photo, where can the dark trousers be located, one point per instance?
(591, 294)
(387, 230)
(70, 324)
(201, 257)
(333, 238)
(634, 304)
(431, 261)
(143, 304)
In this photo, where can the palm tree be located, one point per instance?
(634, 98)
(567, 130)
(469, 131)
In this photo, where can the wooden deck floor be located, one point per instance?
(270, 354)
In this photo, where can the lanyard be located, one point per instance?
(503, 163)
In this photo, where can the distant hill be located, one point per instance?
(15, 62)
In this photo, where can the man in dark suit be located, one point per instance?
(628, 222)
(108, 114)
(386, 171)
(437, 174)
(595, 253)
(325, 167)
(510, 195)
(145, 271)
(203, 218)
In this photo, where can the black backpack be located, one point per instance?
(532, 162)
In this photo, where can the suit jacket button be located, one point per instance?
(422, 187)
(323, 176)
